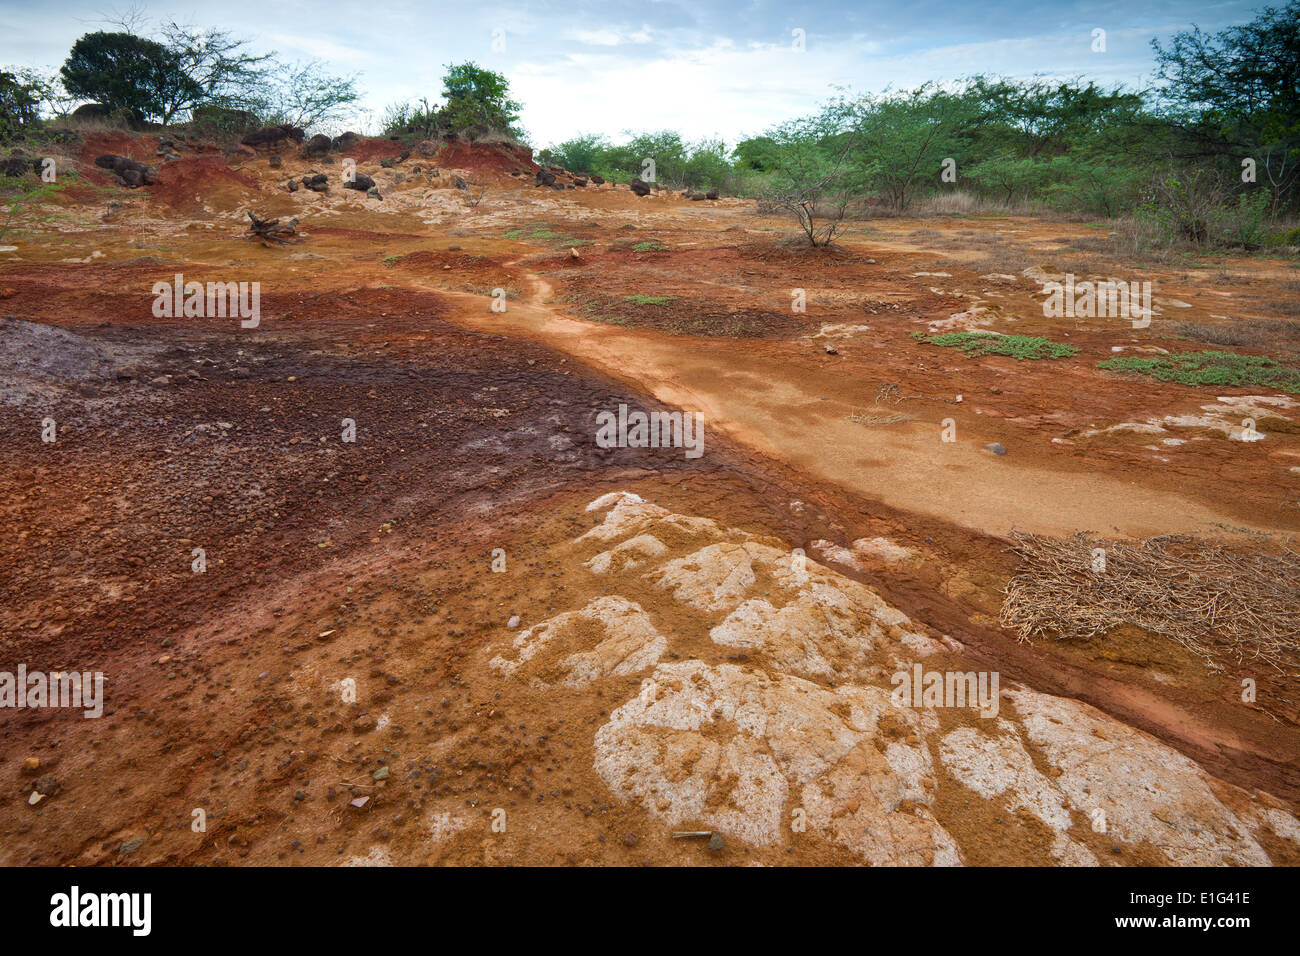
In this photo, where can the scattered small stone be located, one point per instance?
(130, 846)
(716, 843)
(996, 448)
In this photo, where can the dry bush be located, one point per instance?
(1005, 260)
(960, 202)
(1259, 333)
(1222, 604)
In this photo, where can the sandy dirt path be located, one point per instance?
(775, 409)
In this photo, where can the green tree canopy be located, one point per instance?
(475, 96)
(123, 72)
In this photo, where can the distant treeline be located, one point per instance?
(1212, 151)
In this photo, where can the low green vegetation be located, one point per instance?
(1021, 347)
(648, 299)
(541, 232)
(1204, 157)
(648, 245)
(1211, 368)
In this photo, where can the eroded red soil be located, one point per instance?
(373, 560)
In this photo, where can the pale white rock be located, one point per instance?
(443, 825)
(714, 578)
(999, 766)
(610, 636)
(725, 747)
(629, 518)
(627, 555)
(821, 633)
(1149, 793)
(613, 498)
(375, 856)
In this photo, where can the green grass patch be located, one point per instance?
(1210, 368)
(1021, 347)
(648, 245)
(648, 299)
(541, 232)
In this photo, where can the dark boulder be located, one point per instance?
(345, 141)
(711, 194)
(129, 171)
(545, 177)
(316, 182)
(579, 180)
(92, 111)
(272, 136)
(597, 180)
(316, 147)
(360, 182)
(638, 186)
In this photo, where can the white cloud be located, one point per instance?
(608, 36)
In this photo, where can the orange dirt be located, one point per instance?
(372, 560)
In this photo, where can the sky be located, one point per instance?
(727, 69)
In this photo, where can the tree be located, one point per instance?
(303, 94)
(1238, 91)
(419, 118)
(208, 67)
(21, 95)
(1049, 118)
(582, 154)
(757, 153)
(665, 149)
(813, 179)
(901, 140)
(121, 71)
(477, 97)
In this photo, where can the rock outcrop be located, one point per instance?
(769, 710)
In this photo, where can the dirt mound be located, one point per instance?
(372, 149)
(34, 357)
(203, 182)
(118, 142)
(487, 157)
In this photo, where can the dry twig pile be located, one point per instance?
(1221, 604)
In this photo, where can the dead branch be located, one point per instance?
(272, 230)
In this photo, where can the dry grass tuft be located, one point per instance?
(1221, 604)
(1259, 333)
